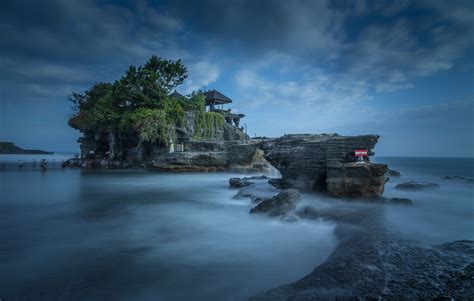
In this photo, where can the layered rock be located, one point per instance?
(320, 163)
(357, 180)
(231, 154)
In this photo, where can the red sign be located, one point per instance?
(360, 153)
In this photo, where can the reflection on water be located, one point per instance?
(78, 235)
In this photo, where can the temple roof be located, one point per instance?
(176, 95)
(216, 97)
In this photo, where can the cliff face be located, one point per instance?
(198, 134)
(326, 163)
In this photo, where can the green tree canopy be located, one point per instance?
(138, 102)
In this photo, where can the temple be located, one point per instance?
(215, 102)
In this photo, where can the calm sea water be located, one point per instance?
(133, 235)
(439, 215)
(116, 235)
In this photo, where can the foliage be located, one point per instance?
(174, 112)
(136, 103)
(196, 101)
(207, 125)
(151, 125)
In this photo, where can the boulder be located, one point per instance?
(400, 201)
(238, 182)
(416, 186)
(279, 205)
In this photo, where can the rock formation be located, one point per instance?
(278, 205)
(415, 186)
(357, 180)
(326, 163)
(400, 201)
(393, 173)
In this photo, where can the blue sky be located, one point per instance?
(400, 69)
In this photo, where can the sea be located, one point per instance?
(72, 234)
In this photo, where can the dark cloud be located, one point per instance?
(387, 42)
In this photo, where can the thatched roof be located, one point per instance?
(216, 97)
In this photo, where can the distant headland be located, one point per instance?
(11, 148)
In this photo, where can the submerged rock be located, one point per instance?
(416, 186)
(400, 201)
(238, 182)
(279, 205)
(459, 178)
(393, 173)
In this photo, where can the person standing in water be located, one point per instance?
(43, 164)
(20, 164)
(34, 163)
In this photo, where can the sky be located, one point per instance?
(399, 69)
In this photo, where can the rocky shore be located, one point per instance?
(308, 162)
(370, 262)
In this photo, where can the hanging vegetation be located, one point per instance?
(207, 125)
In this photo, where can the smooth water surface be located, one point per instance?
(438, 215)
(71, 234)
(121, 235)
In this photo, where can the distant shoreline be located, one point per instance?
(9, 148)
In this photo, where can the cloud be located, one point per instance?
(200, 75)
(56, 44)
(312, 90)
(387, 44)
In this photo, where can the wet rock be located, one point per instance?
(308, 212)
(372, 263)
(416, 186)
(306, 160)
(459, 178)
(400, 201)
(357, 180)
(238, 182)
(279, 205)
(277, 183)
(393, 173)
(246, 192)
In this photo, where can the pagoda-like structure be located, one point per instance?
(215, 102)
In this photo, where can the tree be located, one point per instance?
(105, 106)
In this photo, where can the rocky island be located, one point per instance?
(138, 121)
(11, 148)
